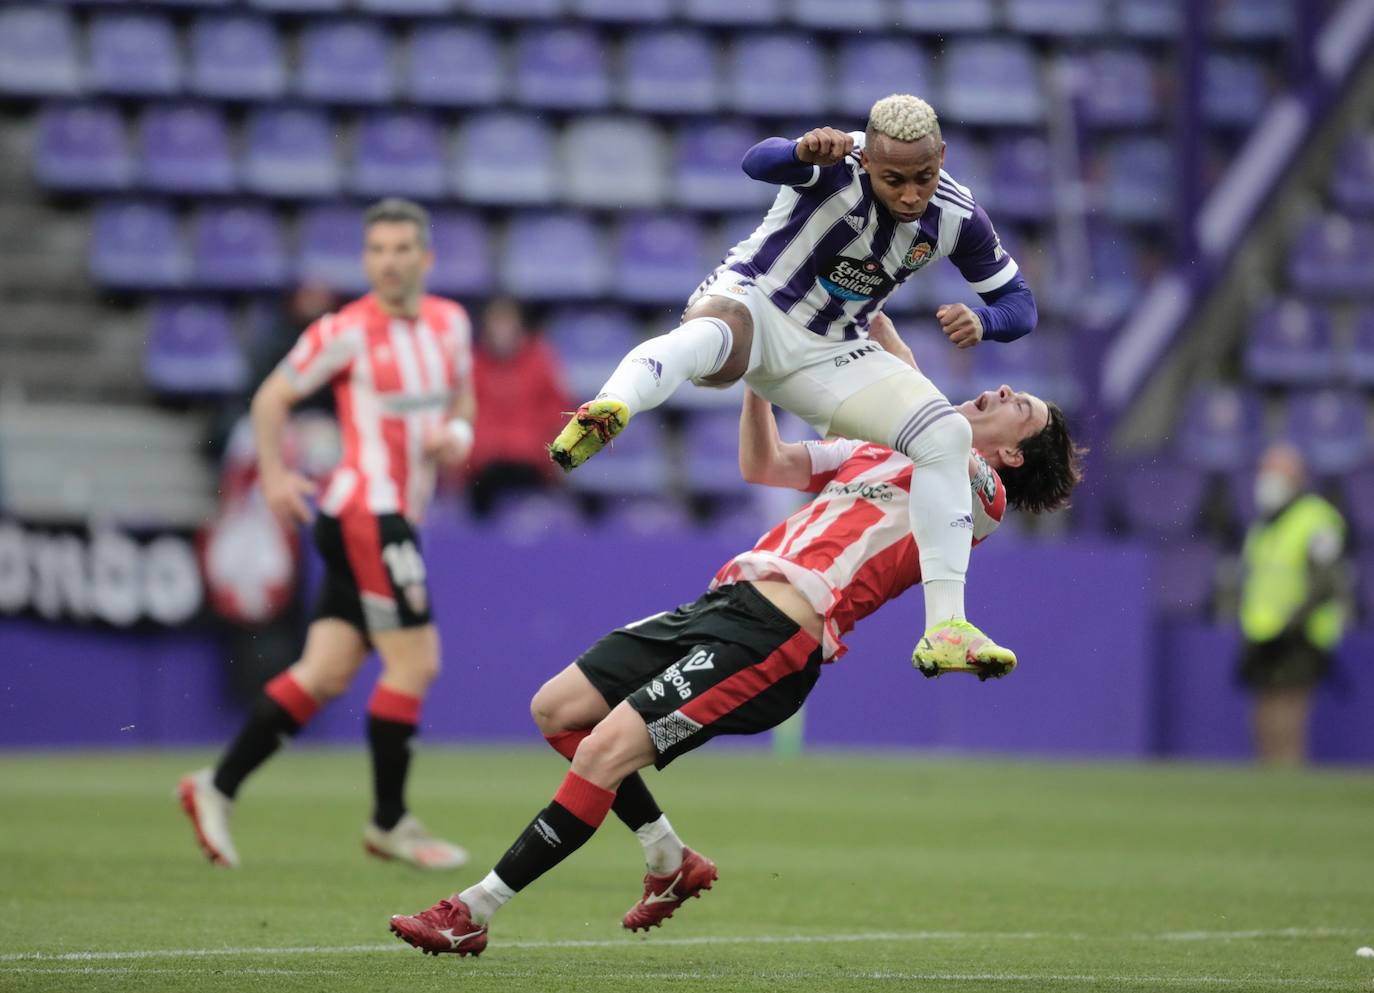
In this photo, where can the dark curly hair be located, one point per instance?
(1052, 466)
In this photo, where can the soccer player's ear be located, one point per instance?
(1012, 457)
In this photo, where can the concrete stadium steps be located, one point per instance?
(74, 461)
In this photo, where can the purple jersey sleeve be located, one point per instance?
(774, 160)
(979, 256)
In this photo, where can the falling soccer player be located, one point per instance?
(742, 658)
(789, 311)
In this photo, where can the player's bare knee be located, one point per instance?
(544, 711)
(603, 752)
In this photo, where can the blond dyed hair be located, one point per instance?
(903, 117)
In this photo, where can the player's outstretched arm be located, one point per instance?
(884, 334)
(763, 456)
(285, 491)
(784, 162)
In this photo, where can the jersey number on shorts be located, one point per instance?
(404, 563)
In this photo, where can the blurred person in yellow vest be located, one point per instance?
(1293, 602)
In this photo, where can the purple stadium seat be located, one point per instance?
(82, 147)
(991, 82)
(1119, 89)
(237, 247)
(1364, 586)
(562, 68)
(1289, 344)
(1335, 257)
(236, 58)
(708, 175)
(1161, 497)
(514, 9)
(38, 53)
(290, 153)
(554, 256)
(298, 6)
(871, 68)
(398, 154)
(1357, 505)
(641, 11)
(1039, 364)
(1331, 427)
(943, 17)
(853, 15)
(613, 162)
(1235, 90)
(1114, 282)
(505, 158)
(331, 247)
(191, 349)
(1057, 17)
(969, 163)
(659, 259)
(136, 245)
(778, 74)
(345, 61)
(732, 13)
(633, 464)
(1253, 20)
(735, 228)
(185, 149)
(1220, 430)
(408, 8)
(1022, 179)
(133, 55)
(1149, 18)
(1359, 363)
(947, 285)
(1138, 179)
(1352, 181)
(710, 447)
(670, 71)
(455, 66)
(591, 342)
(462, 255)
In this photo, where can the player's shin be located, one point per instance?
(282, 710)
(392, 718)
(653, 369)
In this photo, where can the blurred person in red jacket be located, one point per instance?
(521, 400)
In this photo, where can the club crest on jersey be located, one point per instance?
(917, 255)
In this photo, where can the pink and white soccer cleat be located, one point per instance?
(444, 929)
(664, 894)
(209, 810)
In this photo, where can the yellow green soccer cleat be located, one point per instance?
(958, 646)
(595, 423)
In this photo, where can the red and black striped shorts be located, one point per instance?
(728, 663)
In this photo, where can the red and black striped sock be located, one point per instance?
(561, 828)
(392, 718)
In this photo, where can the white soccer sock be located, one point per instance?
(937, 439)
(655, 368)
(662, 846)
(487, 897)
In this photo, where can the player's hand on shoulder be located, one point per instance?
(285, 493)
(824, 146)
(960, 324)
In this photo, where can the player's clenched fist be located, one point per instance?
(824, 146)
(960, 324)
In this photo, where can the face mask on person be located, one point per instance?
(1272, 491)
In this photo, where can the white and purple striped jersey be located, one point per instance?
(828, 254)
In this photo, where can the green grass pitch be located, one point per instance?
(838, 872)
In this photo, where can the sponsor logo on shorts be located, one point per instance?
(701, 660)
(656, 690)
(671, 730)
(855, 355)
(653, 365)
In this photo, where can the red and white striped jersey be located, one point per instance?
(393, 380)
(850, 550)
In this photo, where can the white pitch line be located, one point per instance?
(628, 943)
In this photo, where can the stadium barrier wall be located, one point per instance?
(1098, 677)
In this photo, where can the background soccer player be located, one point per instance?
(790, 306)
(398, 361)
(743, 658)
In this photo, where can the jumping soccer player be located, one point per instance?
(789, 310)
(744, 657)
(398, 360)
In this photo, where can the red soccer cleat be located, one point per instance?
(664, 894)
(445, 928)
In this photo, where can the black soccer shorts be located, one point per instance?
(728, 663)
(374, 576)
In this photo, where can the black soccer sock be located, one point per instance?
(561, 828)
(634, 804)
(282, 710)
(390, 743)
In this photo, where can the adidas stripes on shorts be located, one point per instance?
(730, 662)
